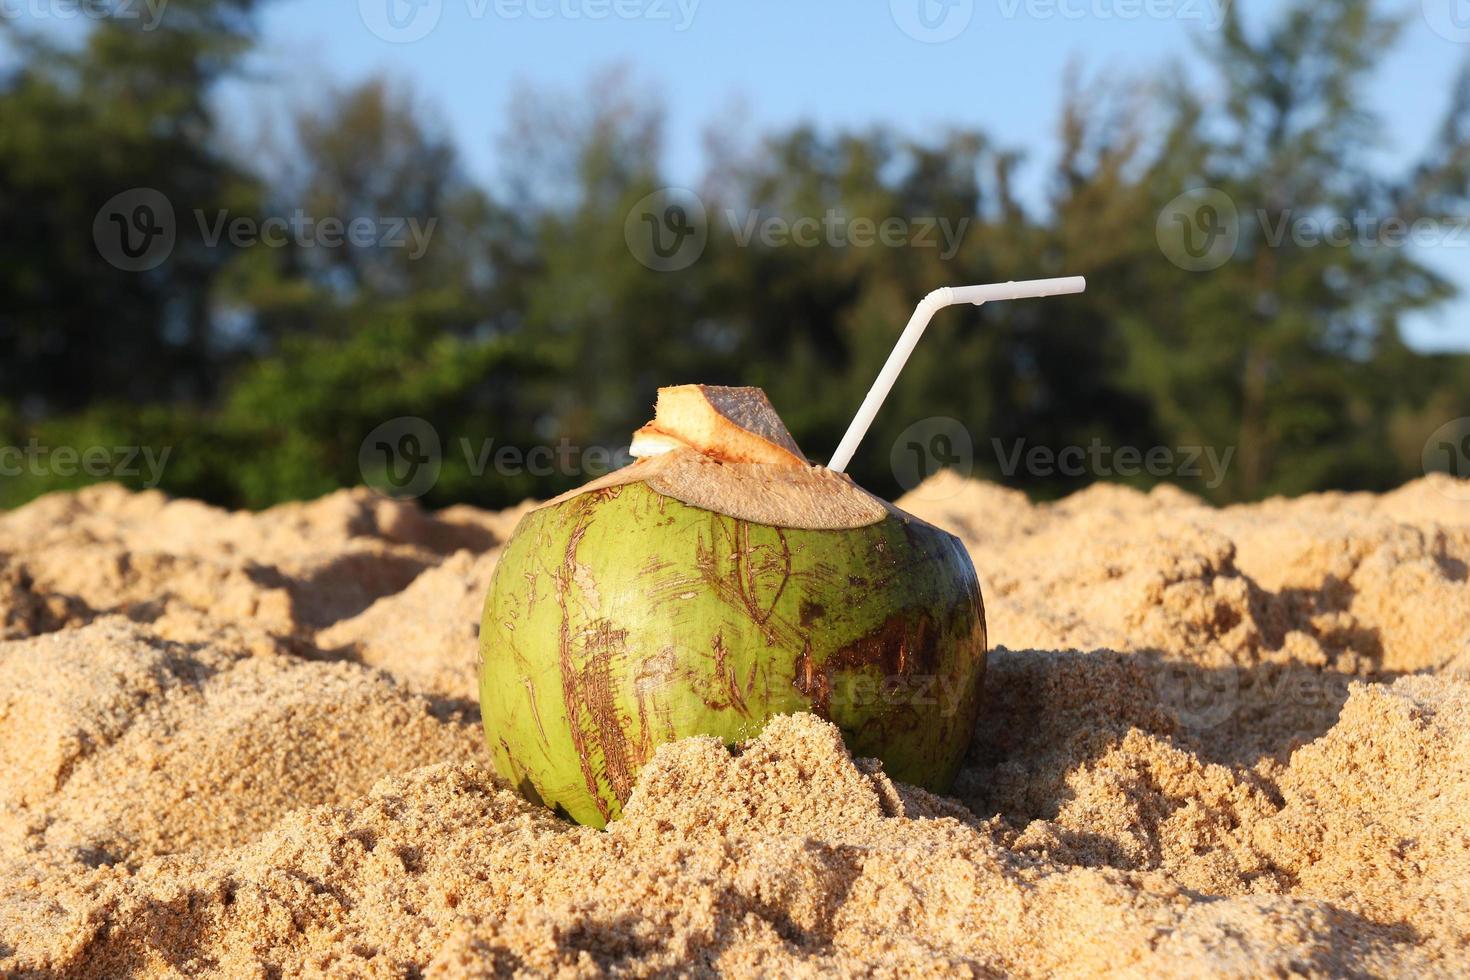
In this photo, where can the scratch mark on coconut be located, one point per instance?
(664, 583)
(570, 695)
(746, 576)
(597, 695)
(535, 711)
(652, 676)
(781, 566)
(537, 571)
(742, 585)
(654, 566)
(724, 680)
(531, 579)
(523, 665)
(814, 683)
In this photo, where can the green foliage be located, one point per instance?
(526, 320)
(306, 410)
(129, 109)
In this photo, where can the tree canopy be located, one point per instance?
(360, 275)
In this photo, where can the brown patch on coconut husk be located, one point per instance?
(807, 497)
(726, 450)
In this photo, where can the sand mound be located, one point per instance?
(117, 745)
(410, 633)
(1215, 741)
(298, 566)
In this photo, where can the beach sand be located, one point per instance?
(1215, 742)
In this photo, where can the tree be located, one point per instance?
(1290, 351)
(422, 317)
(117, 135)
(531, 314)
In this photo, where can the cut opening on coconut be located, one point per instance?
(732, 425)
(726, 450)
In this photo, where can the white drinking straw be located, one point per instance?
(923, 313)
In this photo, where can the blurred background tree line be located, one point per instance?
(528, 321)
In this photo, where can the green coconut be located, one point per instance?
(712, 586)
